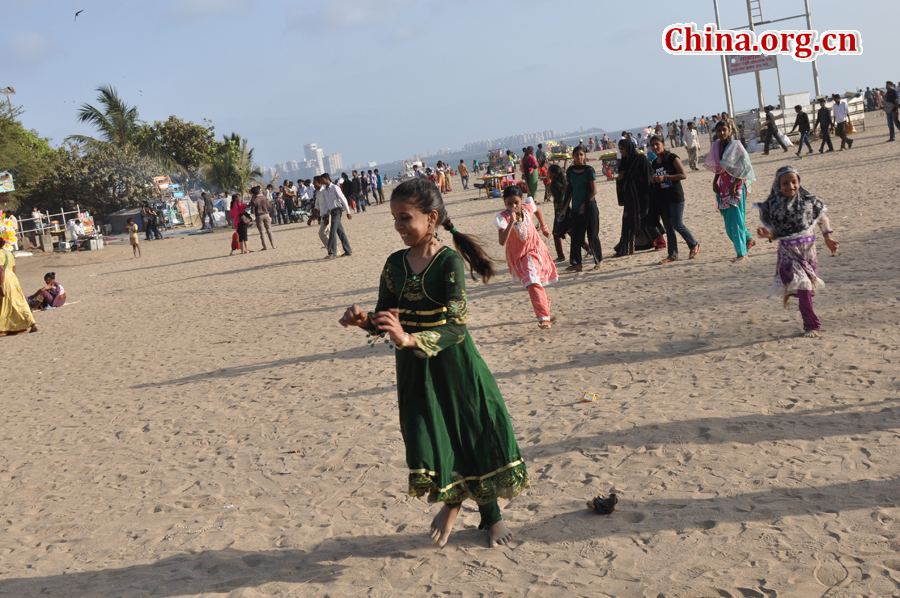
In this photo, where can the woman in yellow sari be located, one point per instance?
(15, 315)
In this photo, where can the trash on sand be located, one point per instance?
(588, 398)
(604, 505)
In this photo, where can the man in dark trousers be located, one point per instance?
(802, 123)
(772, 131)
(823, 120)
(891, 109)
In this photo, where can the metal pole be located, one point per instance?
(759, 89)
(725, 77)
(815, 66)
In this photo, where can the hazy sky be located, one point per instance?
(383, 79)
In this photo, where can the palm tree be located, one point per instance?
(231, 167)
(117, 123)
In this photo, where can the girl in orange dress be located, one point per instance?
(528, 257)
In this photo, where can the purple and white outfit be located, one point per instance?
(793, 221)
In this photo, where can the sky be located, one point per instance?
(381, 80)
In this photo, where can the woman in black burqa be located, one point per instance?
(633, 192)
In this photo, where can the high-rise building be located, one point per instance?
(333, 163)
(315, 154)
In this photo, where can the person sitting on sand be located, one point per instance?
(51, 295)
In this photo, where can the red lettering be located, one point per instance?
(728, 45)
(669, 38)
(744, 42)
(825, 45)
(786, 37)
(768, 42)
(845, 37)
(692, 40)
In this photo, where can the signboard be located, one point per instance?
(6, 182)
(738, 65)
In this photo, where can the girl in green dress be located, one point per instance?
(459, 438)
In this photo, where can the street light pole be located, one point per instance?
(814, 65)
(728, 97)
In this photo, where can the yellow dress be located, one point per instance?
(15, 315)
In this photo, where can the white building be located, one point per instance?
(314, 154)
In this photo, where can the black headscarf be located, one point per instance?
(637, 170)
(789, 217)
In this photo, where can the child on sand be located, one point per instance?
(527, 255)
(132, 229)
(459, 438)
(790, 215)
(244, 221)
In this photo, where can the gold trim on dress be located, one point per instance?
(423, 324)
(425, 471)
(483, 477)
(423, 313)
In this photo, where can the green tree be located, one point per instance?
(99, 179)
(117, 122)
(231, 167)
(189, 144)
(28, 153)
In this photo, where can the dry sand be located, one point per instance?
(146, 429)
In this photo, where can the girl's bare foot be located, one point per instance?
(787, 301)
(442, 524)
(740, 258)
(499, 534)
(811, 333)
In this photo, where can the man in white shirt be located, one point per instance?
(692, 144)
(841, 121)
(335, 203)
(322, 209)
(303, 193)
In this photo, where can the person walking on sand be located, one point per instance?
(823, 122)
(772, 131)
(261, 207)
(335, 203)
(527, 255)
(730, 162)
(802, 123)
(459, 438)
(692, 144)
(321, 208)
(379, 185)
(891, 109)
(581, 205)
(668, 194)
(530, 173)
(463, 174)
(790, 215)
(15, 313)
(842, 121)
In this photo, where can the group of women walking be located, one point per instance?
(649, 190)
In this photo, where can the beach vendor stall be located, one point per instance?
(170, 207)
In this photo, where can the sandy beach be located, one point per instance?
(195, 424)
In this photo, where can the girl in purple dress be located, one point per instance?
(789, 215)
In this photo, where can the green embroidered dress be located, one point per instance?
(459, 439)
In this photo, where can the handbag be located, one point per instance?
(849, 127)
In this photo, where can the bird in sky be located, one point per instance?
(78, 13)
